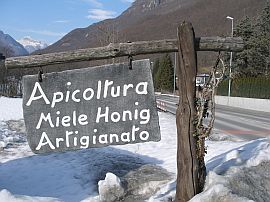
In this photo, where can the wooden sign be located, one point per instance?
(91, 107)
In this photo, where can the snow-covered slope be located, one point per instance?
(10, 47)
(32, 45)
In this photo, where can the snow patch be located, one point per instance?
(9, 137)
(218, 193)
(10, 109)
(236, 175)
(260, 154)
(218, 136)
(110, 189)
(6, 196)
(232, 155)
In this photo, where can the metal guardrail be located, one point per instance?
(166, 106)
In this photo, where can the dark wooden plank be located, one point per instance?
(187, 164)
(90, 107)
(123, 49)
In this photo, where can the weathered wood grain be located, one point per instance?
(123, 49)
(187, 163)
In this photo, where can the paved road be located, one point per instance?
(247, 124)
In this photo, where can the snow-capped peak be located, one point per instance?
(32, 45)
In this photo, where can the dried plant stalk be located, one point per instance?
(205, 105)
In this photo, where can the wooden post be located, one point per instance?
(187, 163)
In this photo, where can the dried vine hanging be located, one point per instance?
(205, 105)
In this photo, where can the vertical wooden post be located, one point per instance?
(187, 163)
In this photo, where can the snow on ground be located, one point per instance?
(74, 176)
(8, 137)
(225, 172)
(10, 109)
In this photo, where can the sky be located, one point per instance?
(50, 20)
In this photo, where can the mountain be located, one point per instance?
(32, 45)
(158, 19)
(9, 47)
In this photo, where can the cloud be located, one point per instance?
(95, 3)
(128, 1)
(42, 32)
(61, 21)
(100, 14)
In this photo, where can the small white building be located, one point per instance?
(201, 79)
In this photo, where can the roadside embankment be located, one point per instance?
(245, 103)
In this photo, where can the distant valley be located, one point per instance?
(9, 47)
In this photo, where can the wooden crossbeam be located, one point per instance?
(123, 49)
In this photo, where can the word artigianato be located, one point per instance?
(104, 114)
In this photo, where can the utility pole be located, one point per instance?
(231, 55)
(174, 72)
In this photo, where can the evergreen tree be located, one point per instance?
(255, 59)
(263, 40)
(155, 75)
(165, 74)
(243, 61)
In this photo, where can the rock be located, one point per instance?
(253, 182)
(136, 186)
(110, 189)
(16, 125)
(145, 181)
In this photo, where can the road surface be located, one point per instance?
(246, 124)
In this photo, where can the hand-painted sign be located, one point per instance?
(91, 107)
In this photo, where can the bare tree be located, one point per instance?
(107, 34)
